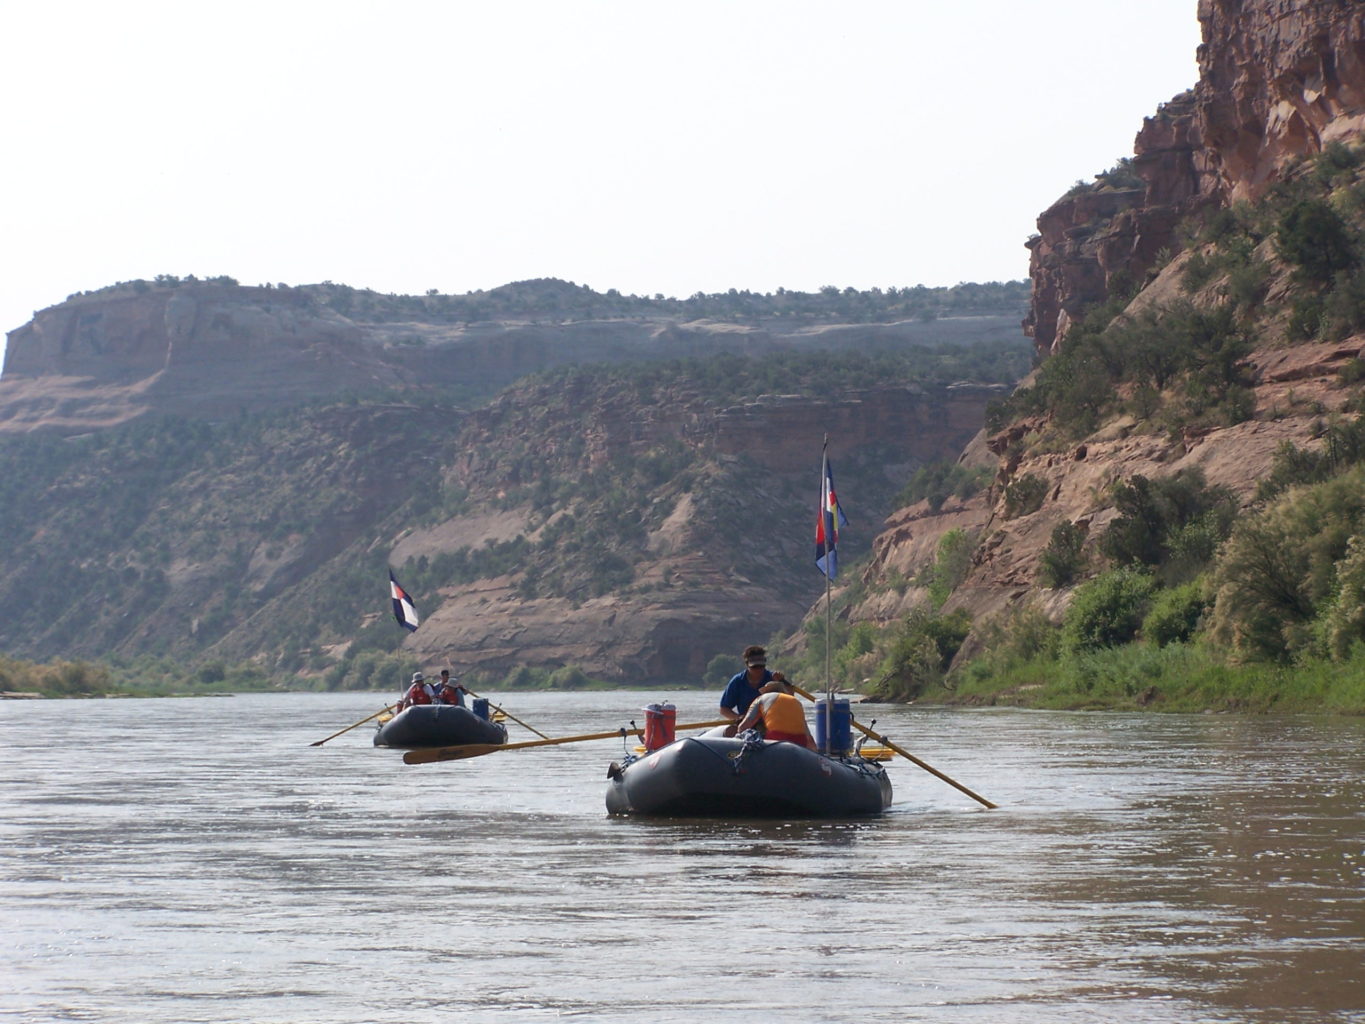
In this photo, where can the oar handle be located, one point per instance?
(427, 755)
(348, 728)
(905, 754)
(508, 714)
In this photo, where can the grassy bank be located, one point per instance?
(1176, 678)
(1180, 678)
(145, 677)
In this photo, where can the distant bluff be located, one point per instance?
(226, 473)
(214, 349)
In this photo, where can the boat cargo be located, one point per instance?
(437, 725)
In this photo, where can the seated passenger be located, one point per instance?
(448, 691)
(418, 693)
(781, 714)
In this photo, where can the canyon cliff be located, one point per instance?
(560, 478)
(1278, 81)
(1281, 82)
(215, 349)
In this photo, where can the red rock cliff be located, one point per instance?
(1278, 80)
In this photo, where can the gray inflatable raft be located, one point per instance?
(713, 776)
(437, 725)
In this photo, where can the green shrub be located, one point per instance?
(1174, 614)
(1314, 238)
(1180, 677)
(1151, 353)
(720, 669)
(1342, 623)
(1024, 495)
(523, 677)
(1173, 523)
(1343, 446)
(372, 670)
(1022, 634)
(1202, 349)
(1107, 611)
(852, 655)
(1305, 318)
(1336, 160)
(570, 677)
(1062, 559)
(1247, 284)
(937, 481)
(1343, 306)
(1197, 272)
(1278, 570)
(951, 565)
(1192, 546)
(1213, 347)
(919, 655)
(55, 679)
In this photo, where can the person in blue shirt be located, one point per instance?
(743, 688)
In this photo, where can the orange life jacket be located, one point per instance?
(784, 715)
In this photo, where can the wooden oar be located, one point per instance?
(508, 714)
(904, 753)
(350, 727)
(426, 755)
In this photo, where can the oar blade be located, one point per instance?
(427, 755)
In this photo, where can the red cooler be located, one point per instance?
(660, 721)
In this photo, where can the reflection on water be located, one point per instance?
(196, 859)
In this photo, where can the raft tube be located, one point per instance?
(712, 776)
(437, 725)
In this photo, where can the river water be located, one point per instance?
(197, 859)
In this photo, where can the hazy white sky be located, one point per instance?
(404, 145)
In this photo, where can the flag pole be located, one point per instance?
(829, 674)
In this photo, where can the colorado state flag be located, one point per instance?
(827, 528)
(403, 608)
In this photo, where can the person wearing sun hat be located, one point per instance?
(448, 691)
(744, 687)
(418, 693)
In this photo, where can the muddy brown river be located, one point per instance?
(196, 859)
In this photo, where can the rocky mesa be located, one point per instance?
(215, 349)
(225, 471)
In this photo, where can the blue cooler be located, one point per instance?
(840, 737)
(480, 707)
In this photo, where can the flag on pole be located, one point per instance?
(403, 608)
(827, 528)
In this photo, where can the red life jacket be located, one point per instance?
(417, 694)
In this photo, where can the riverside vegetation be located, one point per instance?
(1185, 603)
